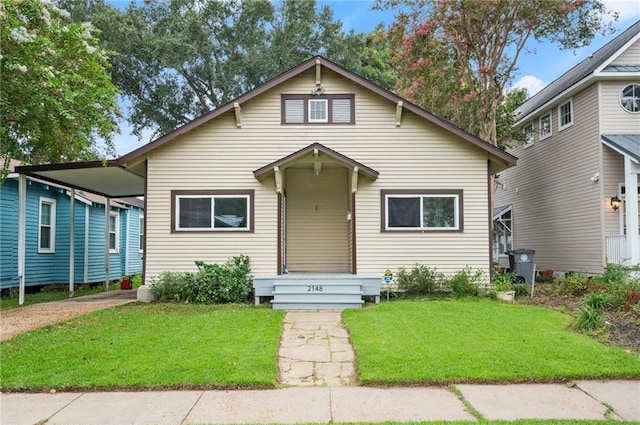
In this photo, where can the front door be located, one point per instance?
(317, 229)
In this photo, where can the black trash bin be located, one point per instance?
(521, 262)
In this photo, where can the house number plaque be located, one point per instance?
(314, 288)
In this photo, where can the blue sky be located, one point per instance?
(536, 70)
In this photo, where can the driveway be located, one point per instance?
(22, 319)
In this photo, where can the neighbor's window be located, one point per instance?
(502, 233)
(141, 234)
(528, 135)
(114, 231)
(545, 126)
(565, 115)
(47, 226)
(630, 98)
(321, 109)
(422, 210)
(212, 210)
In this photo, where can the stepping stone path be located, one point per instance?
(315, 350)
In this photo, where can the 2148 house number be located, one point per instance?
(314, 288)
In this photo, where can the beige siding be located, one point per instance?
(557, 209)
(317, 228)
(613, 175)
(416, 155)
(631, 56)
(616, 120)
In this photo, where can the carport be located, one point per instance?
(109, 178)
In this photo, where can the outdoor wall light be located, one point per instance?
(615, 203)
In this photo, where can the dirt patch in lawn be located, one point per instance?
(622, 327)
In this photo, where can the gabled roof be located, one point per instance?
(625, 144)
(498, 153)
(583, 70)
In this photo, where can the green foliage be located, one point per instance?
(421, 280)
(466, 282)
(213, 283)
(503, 282)
(615, 273)
(597, 301)
(57, 99)
(521, 289)
(544, 279)
(589, 318)
(573, 284)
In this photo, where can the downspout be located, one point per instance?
(22, 209)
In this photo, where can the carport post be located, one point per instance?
(106, 243)
(22, 210)
(72, 237)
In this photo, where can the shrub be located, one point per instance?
(589, 318)
(421, 280)
(615, 273)
(503, 282)
(598, 301)
(466, 282)
(544, 279)
(213, 283)
(522, 290)
(572, 284)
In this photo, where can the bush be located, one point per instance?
(466, 282)
(522, 290)
(589, 318)
(572, 284)
(213, 283)
(421, 280)
(598, 301)
(503, 282)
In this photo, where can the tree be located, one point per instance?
(458, 57)
(180, 59)
(57, 102)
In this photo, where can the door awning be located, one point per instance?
(625, 144)
(107, 178)
(315, 154)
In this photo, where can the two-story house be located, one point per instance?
(574, 194)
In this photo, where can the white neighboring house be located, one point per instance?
(574, 193)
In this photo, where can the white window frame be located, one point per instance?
(141, 234)
(116, 232)
(635, 98)
(52, 225)
(544, 135)
(422, 228)
(213, 197)
(562, 126)
(325, 102)
(529, 134)
(508, 243)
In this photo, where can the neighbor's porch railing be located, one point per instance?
(616, 249)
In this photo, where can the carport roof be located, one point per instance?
(106, 178)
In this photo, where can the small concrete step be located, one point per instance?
(318, 296)
(304, 304)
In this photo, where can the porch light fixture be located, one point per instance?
(615, 203)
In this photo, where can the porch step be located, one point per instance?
(316, 291)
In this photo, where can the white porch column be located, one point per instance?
(631, 170)
(86, 244)
(72, 239)
(107, 204)
(22, 228)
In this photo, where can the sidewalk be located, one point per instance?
(587, 400)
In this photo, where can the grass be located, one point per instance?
(148, 346)
(441, 342)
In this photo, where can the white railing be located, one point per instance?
(616, 249)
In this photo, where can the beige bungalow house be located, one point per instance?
(574, 193)
(322, 178)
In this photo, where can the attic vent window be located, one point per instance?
(322, 109)
(630, 98)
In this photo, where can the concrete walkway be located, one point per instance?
(586, 400)
(315, 350)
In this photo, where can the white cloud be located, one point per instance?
(532, 83)
(629, 9)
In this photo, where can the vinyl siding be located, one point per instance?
(631, 56)
(616, 120)
(613, 175)
(417, 155)
(8, 233)
(556, 207)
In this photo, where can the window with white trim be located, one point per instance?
(47, 226)
(212, 211)
(545, 126)
(565, 115)
(528, 135)
(141, 234)
(114, 231)
(422, 210)
(321, 109)
(502, 233)
(630, 98)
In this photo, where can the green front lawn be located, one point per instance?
(154, 345)
(476, 341)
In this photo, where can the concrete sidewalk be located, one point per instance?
(586, 400)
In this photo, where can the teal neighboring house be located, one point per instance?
(48, 235)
